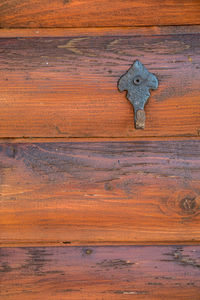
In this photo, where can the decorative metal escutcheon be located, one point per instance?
(138, 82)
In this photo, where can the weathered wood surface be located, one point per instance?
(64, 140)
(108, 273)
(67, 86)
(98, 31)
(84, 193)
(95, 13)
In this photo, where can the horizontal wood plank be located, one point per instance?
(90, 140)
(98, 31)
(95, 13)
(108, 273)
(120, 192)
(67, 86)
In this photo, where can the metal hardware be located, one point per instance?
(138, 82)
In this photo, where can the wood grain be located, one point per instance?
(67, 86)
(89, 140)
(108, 273)
(95, 13)
(98, 31)
(93, 193)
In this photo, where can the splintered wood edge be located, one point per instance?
(101, 31)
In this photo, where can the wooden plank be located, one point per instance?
(95, 13)
(108, 273)
(89, 140)
(120, 192)
(98, 31)
(67, 86)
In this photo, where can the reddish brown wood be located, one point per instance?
(63, 140)
(67, 86)
(78, 193)
(108, 273)
(95, 13)
(98, 31)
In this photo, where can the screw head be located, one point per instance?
(137, 80)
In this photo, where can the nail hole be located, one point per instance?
(137, 80)
(88, 251)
